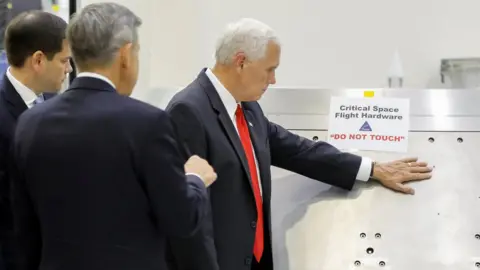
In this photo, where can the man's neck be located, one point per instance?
(103, 72)
(24, 77)
(222, 74)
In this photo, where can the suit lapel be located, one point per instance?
(15, 104)
(225, 121)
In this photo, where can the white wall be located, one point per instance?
(342, 43)
(328, 44)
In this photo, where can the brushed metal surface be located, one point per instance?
(316, 226)
(319, 227)
(430, 109)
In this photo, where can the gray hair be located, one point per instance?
(246, 35)
(98, 31)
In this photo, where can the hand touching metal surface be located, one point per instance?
(394, 174)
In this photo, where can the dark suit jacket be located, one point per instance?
(226, 240)
(11, 106)
(118, 189)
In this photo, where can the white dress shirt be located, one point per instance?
(27, 95)
(231, 106)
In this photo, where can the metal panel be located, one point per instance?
(319, 227)
(430, 109)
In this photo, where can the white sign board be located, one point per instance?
(377, 124)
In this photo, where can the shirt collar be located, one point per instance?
(227, 99)
(97, 76)
(27, 95)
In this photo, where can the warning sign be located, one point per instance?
(378, 124)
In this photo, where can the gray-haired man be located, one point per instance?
(120, 187)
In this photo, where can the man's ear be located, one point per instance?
(37, 59)
(239, 60)
(125, 53)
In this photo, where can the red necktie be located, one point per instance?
(247, 146)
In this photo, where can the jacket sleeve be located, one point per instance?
(179, 202)
(317, 160)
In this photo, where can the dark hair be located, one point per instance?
(33, 31)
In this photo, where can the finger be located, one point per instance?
(404, 189)
(422, 176)
(409, 159)
(418, 164)
(420, 169)
(416, 177)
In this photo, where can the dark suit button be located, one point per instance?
(248, 261)
(253, 224)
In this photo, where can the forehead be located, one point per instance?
(272, 54)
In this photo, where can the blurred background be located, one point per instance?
(326, 44)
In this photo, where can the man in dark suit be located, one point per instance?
(39, 59)
(218, 118)
(121, 182)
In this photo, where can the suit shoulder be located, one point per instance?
(136, 109)
(106, 107)
(191, 96)
(138, 105)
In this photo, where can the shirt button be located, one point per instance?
(248, 261)
(253, 224)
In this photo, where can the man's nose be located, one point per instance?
(273, 80)
(69, 68)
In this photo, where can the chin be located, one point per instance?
(256, 98)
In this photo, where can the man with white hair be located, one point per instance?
(119, 186)
(218, 118)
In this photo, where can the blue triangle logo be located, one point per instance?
(365, 127)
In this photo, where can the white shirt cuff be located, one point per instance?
(364, 170)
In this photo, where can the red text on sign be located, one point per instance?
(357, 136)
(386, 138)
(339, 136)
(372, 137)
